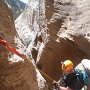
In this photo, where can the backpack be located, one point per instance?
(77, 80)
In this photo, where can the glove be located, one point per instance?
(55, 84)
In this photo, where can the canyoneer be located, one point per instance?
(72, 78)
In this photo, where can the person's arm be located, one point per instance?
(60, 87)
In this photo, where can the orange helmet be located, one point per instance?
(67, 65)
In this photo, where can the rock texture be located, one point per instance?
(56, 30)
(69, 34)
(19, 75)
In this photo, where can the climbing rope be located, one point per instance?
(44, 74)
(3, 42)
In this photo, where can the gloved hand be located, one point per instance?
(55, 84)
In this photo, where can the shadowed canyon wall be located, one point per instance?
(19, 75)
(68, 35)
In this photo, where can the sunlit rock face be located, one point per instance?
(27, 26)
(53, 31)
(15, 74)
